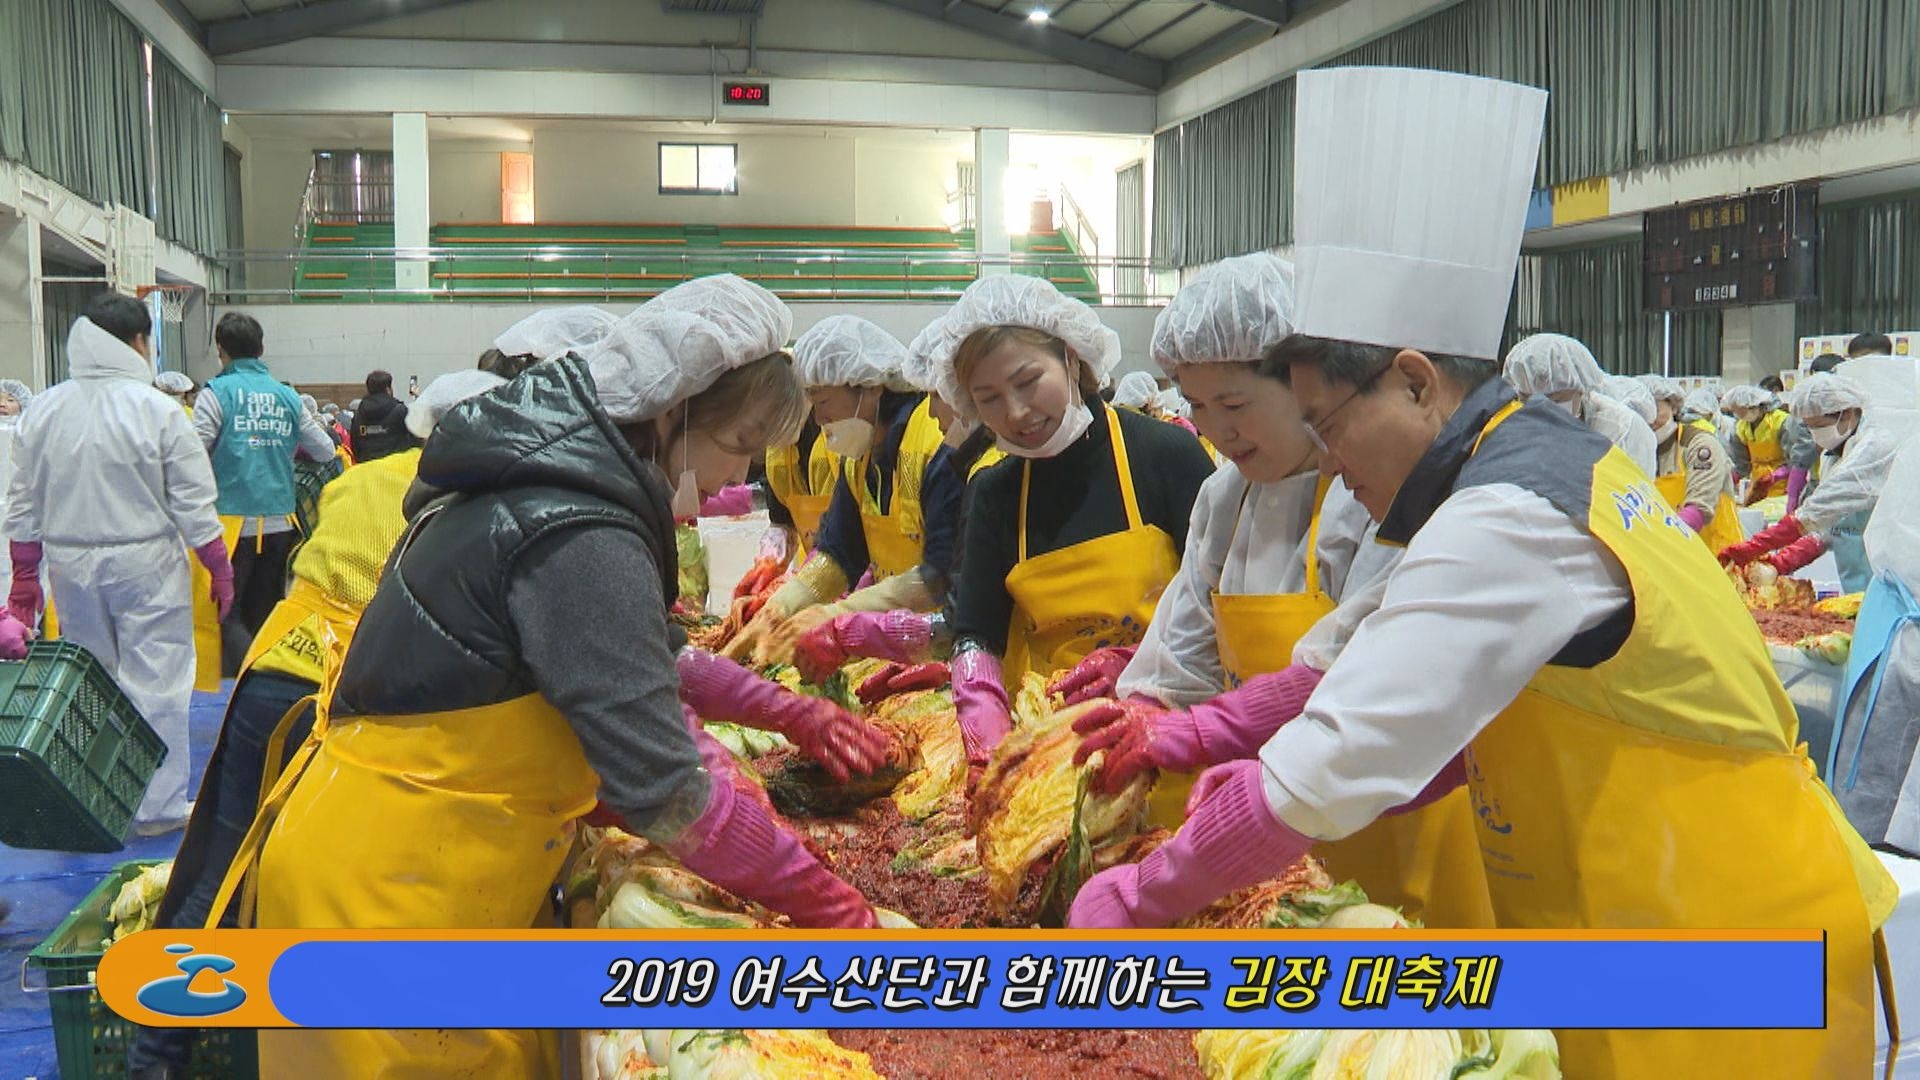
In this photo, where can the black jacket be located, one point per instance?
(380, 427)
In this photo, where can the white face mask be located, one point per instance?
(1826, 438)
(850, 438)
(1665, 431)
(1073, 425)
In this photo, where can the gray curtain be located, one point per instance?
(72, 97)
(1130, 240)
(1594, 293)
(1869, 268)
(62, 302)
(192, 176)
(1633, 82)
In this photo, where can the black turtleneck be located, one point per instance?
(1074, 497)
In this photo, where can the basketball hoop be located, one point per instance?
(173, 300)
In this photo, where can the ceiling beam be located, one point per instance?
(1229, 42)
(180, 14)
(1041, 38)
(1111, 19)
(229, 36)
(1166, 26)
(1271, 12)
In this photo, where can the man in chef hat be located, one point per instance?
(1582, 664)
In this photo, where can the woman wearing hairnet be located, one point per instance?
(896, 504)
(1069, 548)
(1280, 567)
(1758, 454)
(177, 386)
(1702, 409)
(546, 335)
(496, 685)
(1870, 765)
(1135, 390)
(1564, 370)
(14, 396)
(1858, 446)
(1695, 474)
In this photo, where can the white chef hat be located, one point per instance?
(443, 393)
(680, 342)
(1660, 388)
(1410, 193)
(1135, 389)
(1552, 363)
(1826, 394)
(555, 332)
(1633, 394)
(1017, 300)
(1234, 311)
(846, 350)
(1746, 397)
(173, 382)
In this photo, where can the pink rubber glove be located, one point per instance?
(25, 599)
(13, 638)
(1140, 735)
(736, 844)
(719, 689)
(1093, 677)
(732, 501)
(1796, 484)
(1695, 517)
(776, 544)
(902, 637)
(980, 701)
(901, 679)
(1772, 538)
(1797, 554)
(1231, 840)
(213, 556)
(1444, 783)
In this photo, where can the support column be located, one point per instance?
(1756, 342)
(411, 217)
(23, 346)
(991, 154)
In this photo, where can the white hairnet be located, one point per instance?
(1661, 388)
(1552, 363)
(310, 403)
(173, 382)
(1135, 389)
(1631, 393)
(442, 394)
(680, 342)
(1746, 397)
(1017, 300)
(1234, 311)
(846, 350)
(917, 369)
(1702, 404)
(1172, 402)
(555, 332)
(1825, 395)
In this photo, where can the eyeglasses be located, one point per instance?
(1314, 430)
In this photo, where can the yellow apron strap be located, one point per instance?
(269, 779)
(1126, 473)
(1026, 480)
(1320, 490)
(1499, 418)
(1883, 971)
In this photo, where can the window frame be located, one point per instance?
(733, 187)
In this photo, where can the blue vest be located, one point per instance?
(259, 433)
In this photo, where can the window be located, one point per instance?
(698, 169)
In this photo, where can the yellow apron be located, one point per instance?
(1425, 862)
(895, 535)
(1661, 789)
(1764, 453)
(1720, 533)
(806, 495)
(206, 617)
(1079, 598)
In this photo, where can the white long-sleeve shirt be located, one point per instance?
(1250, 538)
(1495, 584)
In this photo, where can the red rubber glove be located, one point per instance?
(213, 556)
(1797, 554)
(13, 637)
(719, 689)
(980, 703)
(899, 636)
(1140, 735)
(25, 600)
(897, 679)
(1771, 538)
(1231, 840)
(1093, 677)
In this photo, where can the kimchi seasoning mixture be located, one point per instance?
(1785, 626)
(864, 850)
(942, 1055)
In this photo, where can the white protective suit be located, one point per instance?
(1257, 549)
(111, 479)
(1877, 741)
(8, 426)
(1850, 479)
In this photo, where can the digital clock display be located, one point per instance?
(745, 93)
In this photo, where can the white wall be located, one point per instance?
(463, 179)
(903, 186)
(340, 343)
(587, 174)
